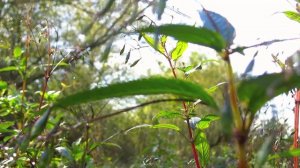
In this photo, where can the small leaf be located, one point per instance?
(151, 41)
(293, 15)
(163, 39)
(256, 91)
(167, 115)
(135, 62)
(3, 85)
(168, 126)
(201, 36)
(214, 88)
(205, 122)
(148, 86)
(203, 148)
(122, 50)
(127, 57)
(40, 124)
(286, 154)
(17, 52)
(178, 50)
(249, 67)
(218, 23)
(160, 8)
(9, 68)
(136, 127)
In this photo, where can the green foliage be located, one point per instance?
(178, 50)
(190, 34)
(205, 122)
(292, 15)
(203, 148)
(148, 86)
(154, 44)
(255, 92)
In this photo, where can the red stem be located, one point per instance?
(195, 154)
(296, 111)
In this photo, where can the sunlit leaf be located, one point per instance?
(163, 39)
(201, 36)
(17, 52)
(206, 121)
(151, 41)
(136, 127)
(256, 91)
(148, 86)
(178, 50)
(9, 68)
(218, 23)
(293, 15)
(168, 126)
(167, 115)
(203, 148)
(215, 88)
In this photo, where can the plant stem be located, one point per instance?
(240, 132)
(296, 113)
(186, 113)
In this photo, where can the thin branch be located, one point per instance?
(134, 107)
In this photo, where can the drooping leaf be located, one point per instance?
(264, 151)
(148, 86)
(206, 121)
(167, 115)
(136, 127)
(168, 126)
(160, 8)
(218, 23)
(203, 148)
(249, 67)
(40, 124)
(135, 62)
(255, 92)
(178, 50)
(286, 154)
(293, 15)
(214, 88)
(201, 36)
(151, 41)
(17, 52)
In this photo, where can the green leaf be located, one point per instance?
(17, 52)
(9, 68)
(135, 62)
(178, 50)
(293, 15)
(206, 121)
(151, 41)
(168, 126)
(286, 154)
(255, 92)
(163, 39)
(106, 52)
(5, 125)
(3, 85)
(122, 50)
(203, 148)
(167, 115)
(40, 124)
(214, 88)
(150, 86)
(201, 36)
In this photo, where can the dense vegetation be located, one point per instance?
(70, 94)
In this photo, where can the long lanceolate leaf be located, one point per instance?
(293, 15)
(255, 92)
(148, 86)
(216, 22)
(201, 36)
